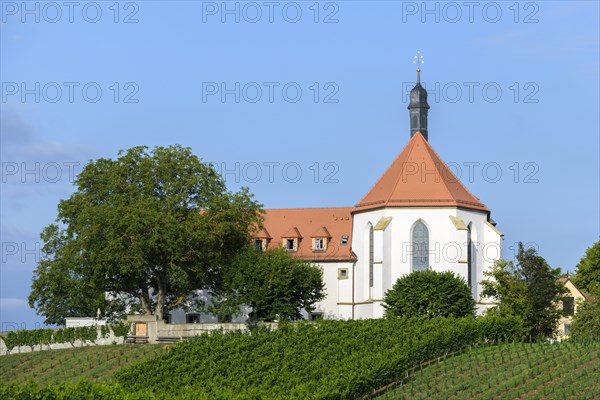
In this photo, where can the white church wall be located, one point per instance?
(360, 246)
(453, 253)
(440, 230)
(363, 310)
(338, 290)
(378, 265)
(487, 246)
(447, 248)
(489, 253)
(388, 245)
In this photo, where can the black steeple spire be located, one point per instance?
(418, 103)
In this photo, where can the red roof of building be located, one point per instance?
(418, 178)
(322, 232)
(307, 223)
(262, 234)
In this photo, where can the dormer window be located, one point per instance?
(319, 244)
(261, 240)
(291, 239)
(290, 244)
(320, 239)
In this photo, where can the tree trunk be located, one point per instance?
(144, 299)
(160, 301)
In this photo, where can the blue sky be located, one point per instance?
(305, 103)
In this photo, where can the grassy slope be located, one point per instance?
(94, 363)
(516, 371)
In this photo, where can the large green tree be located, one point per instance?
(150, 227)
(58, 289)
(528, 289)
(587, 274)
(429, 293)
(274, 284)
(586, 322)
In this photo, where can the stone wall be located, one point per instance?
(159, 329)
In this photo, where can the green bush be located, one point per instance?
(29, 338)
(121, 329)
(494, 328)
(429, 293)
(104, 331)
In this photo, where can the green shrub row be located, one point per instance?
(41, 337)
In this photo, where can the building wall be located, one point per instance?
(393, 254)
(350, 296)
(336, 305)
(568, 320)
(338, 290)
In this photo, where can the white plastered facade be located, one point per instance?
(351, 295)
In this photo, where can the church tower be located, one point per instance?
(417, 216)
(418, 106)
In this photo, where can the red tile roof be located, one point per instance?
(418, 178)
(262, 234)
(308, 223)
(293, 232)
(322, 232)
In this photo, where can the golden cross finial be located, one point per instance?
(418, 60)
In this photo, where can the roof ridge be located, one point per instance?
(411, 143)
(438, 168)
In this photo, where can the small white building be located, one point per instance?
(417, 216)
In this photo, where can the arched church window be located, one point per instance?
(420, 246)
(371, 256)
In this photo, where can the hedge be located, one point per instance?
(41, 337)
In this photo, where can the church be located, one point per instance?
(417, 216)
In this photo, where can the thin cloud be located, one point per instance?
(20, 143)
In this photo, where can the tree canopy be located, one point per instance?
(429, 293)
(275, 284)
(586, 322)
(587, 274)
(528, 289)
(58, 289)
(150, 228)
